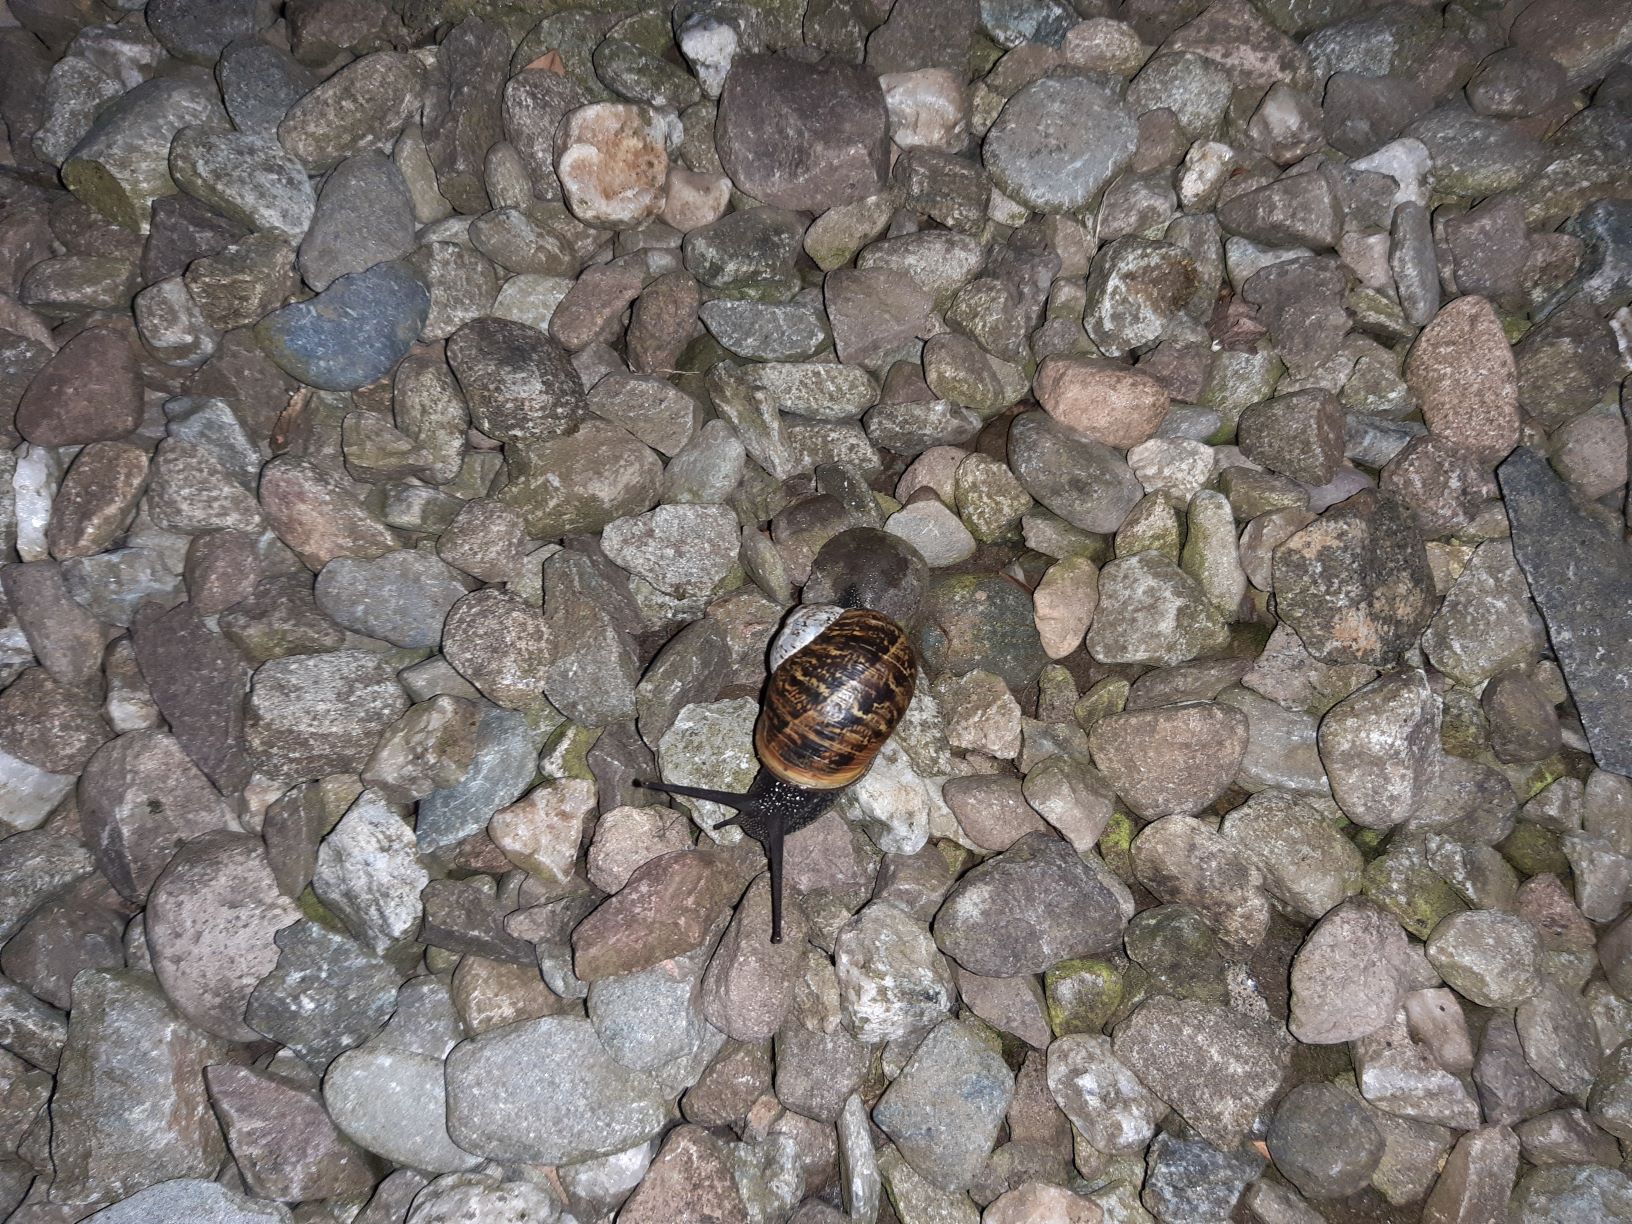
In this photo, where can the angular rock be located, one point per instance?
(190, 1200)
(1104, 1099)
(89, 391)
(1216, 1067)
(327, 994)
(369, 874)
(1355, 583)
(1581, 578)
(363, 217)
(689, 1182)
(123, 163)
(802, 136)
(246, 177)
(359, 108)
(130, 1108)
(668, 908)
(198, 681)
(1087, 484)
(1492, 958)
(893, 983)
(1032, 906)
(317, 515)
(944, 1109)
(311, 715)
(1150, 611)
(140, 800)
(282, 1140)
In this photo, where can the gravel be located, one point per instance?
(415, 425)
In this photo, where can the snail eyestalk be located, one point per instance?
(769, 811)
(841, 679)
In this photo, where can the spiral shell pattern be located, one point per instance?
(833, 703)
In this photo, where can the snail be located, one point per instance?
(841, 679)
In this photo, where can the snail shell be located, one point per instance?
(835, 697)
(800, 629)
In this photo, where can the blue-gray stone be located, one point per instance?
(944, 1109)
(506, 760)
(1009, 23)
(1580, 574)
(354, 332)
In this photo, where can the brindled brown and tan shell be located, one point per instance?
(833, 703)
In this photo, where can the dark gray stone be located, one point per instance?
(1580, 575)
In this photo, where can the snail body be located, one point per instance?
(841, 680)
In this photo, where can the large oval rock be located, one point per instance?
(89, 391)
(391, 1101)
(1029, 908)
(402, 597)
(1171, 759)
(547, 1092)
(1084, 482)
(1058, 141)
(210, 922)
(520, 384)
(803, 136)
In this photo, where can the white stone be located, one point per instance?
(34, 486)
(28, 794)
(891, 801)
(1104, 1099)
(1205, 168)
(612, 162)
(1177, 468)
(934, 531)
(369, 873)
(1407, 162)
(710, 46)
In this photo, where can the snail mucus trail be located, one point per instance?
(841, 679)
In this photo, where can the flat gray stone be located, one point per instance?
(547, 1092)
(191, 1200)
